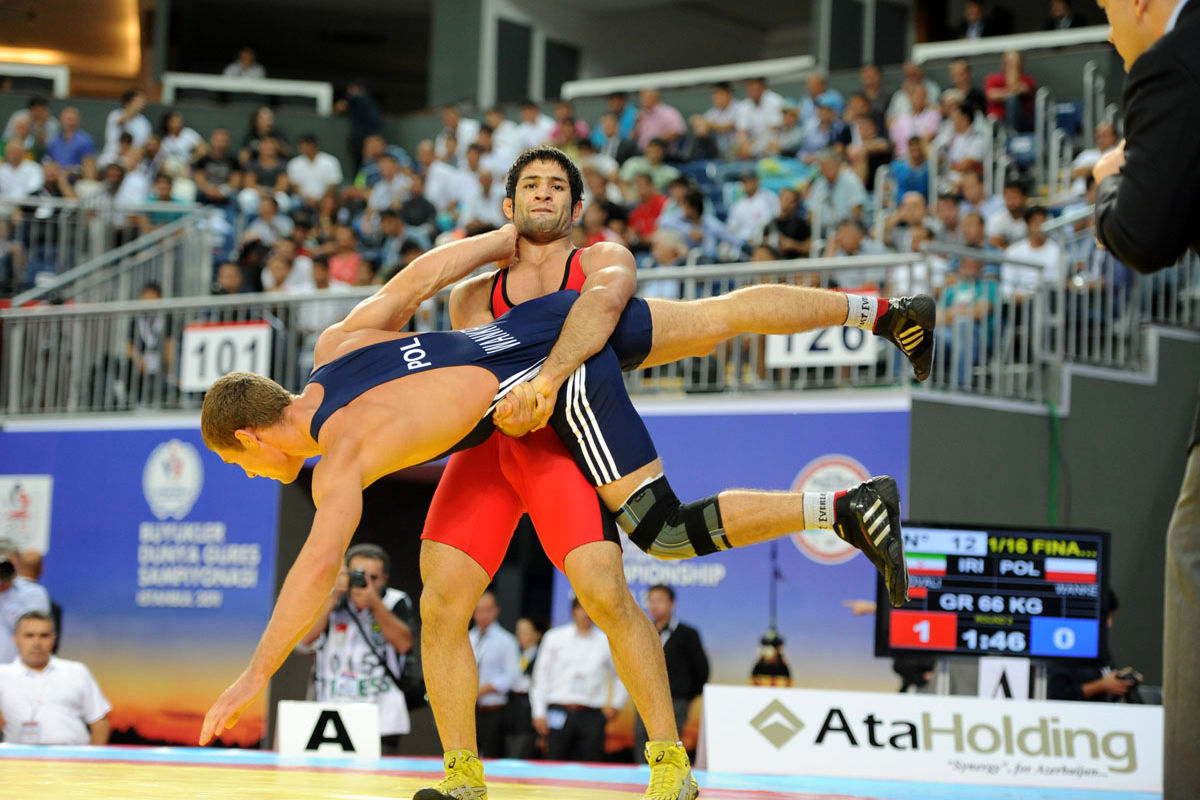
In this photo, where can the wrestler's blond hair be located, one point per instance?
(240, 400)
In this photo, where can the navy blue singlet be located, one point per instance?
(593, 414)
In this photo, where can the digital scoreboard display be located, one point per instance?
(998, 591)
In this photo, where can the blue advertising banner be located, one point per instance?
(710, 445)
(162, 558)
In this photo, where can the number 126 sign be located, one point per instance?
(213, 349)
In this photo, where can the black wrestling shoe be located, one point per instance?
(868, 517)
(908, 324)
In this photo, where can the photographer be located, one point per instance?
(361, 640)
(1100, 683)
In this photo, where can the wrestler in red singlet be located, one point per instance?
(485, 490)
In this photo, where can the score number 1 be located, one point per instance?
(211, 350)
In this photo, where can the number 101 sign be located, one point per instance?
(213, 349)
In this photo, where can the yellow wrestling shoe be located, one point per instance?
(670, 773)
(463, 781)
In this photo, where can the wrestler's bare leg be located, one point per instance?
(684, 328)
(749, 516)
(598, 577)
(452, 582)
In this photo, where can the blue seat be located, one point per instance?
(1069, 116)
(1022, 150)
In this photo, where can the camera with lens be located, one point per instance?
(358, 579)
(1130, 676)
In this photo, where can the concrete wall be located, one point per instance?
(1120, 463)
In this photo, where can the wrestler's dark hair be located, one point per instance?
(240, 400)
(545, 153)
(368, 550)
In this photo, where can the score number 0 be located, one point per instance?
(211, 350)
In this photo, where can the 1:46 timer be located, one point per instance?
(1003, 641)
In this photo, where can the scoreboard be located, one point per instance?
(998, 591)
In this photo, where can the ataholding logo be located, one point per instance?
(172, 479)
(777, 724)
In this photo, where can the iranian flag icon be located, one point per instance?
(1071, 570)
(925, 564)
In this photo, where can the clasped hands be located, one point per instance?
(527, 407)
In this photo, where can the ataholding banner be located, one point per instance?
(768, 730)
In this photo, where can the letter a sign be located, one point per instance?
(350, 729)
(1001, 678)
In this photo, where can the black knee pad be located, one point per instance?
(659, 524)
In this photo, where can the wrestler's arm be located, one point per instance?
(395, 303)
(337, 491)
(522, 409)
(611, 279)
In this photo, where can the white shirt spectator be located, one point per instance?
(299, 280)
(237, 69)
(134, 188)
(757, 120)
(385, 193)
(270, 231)
(465, 133)
(181, 147)
(49, 129)
(313, 178)
(347, 670)
(728, 115)
(969, 144)
(901, 103)
(52, 706)
(605, 164)
(498, 161)
(1085, 160)
(499, 659)
(832, 204)
(749, 214)
(138, 127)
(575, 668)
(442, 185)
(484, 207)
(507, 138)
(315, 316)
(921, 277)
(1015, 278)
(986, 207)
(24, 595)
(532, 134)
(20, 181)
(1004, 225)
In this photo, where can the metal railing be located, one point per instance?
(1105, 304)
(1094, 102)
(44, 237)
(320, 92)
(996, 336)
(177, 256)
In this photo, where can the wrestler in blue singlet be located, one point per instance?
(593, 414)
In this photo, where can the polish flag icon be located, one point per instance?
(1070, 570)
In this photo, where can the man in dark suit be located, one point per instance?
(976, 24)
(687, 663)
(1063, 16)
(1147, 215)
